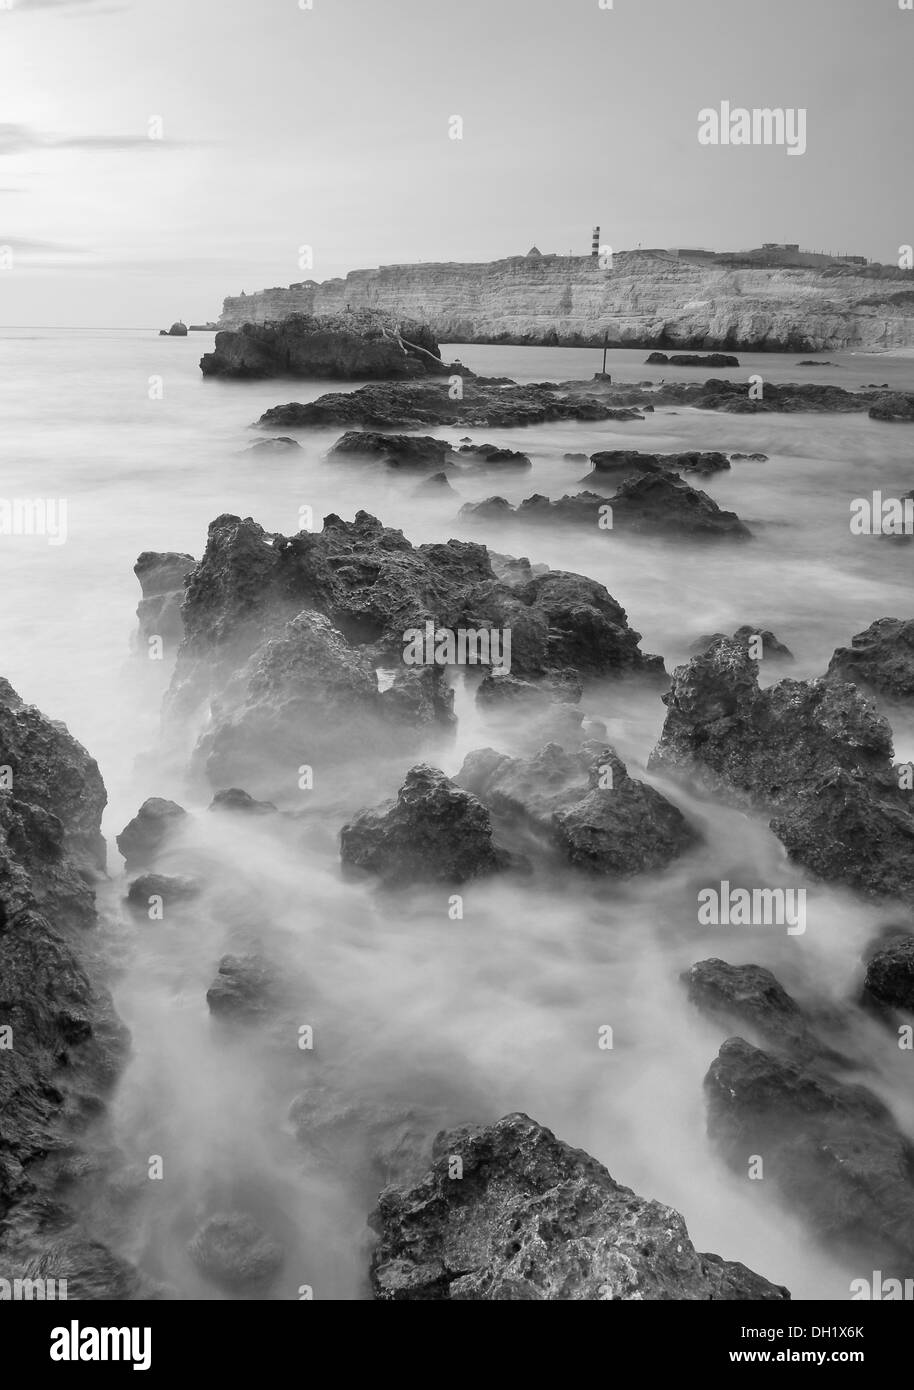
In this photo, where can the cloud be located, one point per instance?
(16, 139)
(90, 6)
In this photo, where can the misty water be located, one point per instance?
(465, 1020)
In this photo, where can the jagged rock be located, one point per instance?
(881, 658)
(142, 838)
(531, 1218)
(772, 648)
(395, 450)
(234, 1252)
(889, 981)
(243, 989)
(622, 828)
(748, 458)
(435, 832)
(281, 444)
(373, 586)
(816, 753)
(162, 576)
(832, 1151)
(894, 406)
(168, 887)
(235, 799)
(355, 345)
(750, 995)
(67, 1044)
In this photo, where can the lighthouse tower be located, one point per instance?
(595, 243)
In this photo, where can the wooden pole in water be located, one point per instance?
(605, 341)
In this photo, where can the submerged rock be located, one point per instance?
(280, 444)
(394, 450)
(434, 486)
(491, 456)
(881, 658)
(349, 345)
(833, 1152)
(663, 504)
(242, 990)
(692, 359)
(234, 1252)
(595, 815)
(154, 823)
(532, 1219)
(236, 800)
(434, 832)
(168, 887)
(771, 648)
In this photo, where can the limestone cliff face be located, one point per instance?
(647, 299)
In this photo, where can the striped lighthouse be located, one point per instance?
(595, 243)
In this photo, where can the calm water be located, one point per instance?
(501, 1011)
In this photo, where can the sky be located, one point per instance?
(329, 127)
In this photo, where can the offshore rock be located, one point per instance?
(348, 345)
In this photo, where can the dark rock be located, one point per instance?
(815, 753)
(434, 832)
(894, 406)
(394, 450)
(419, 696)
(280, 444)
(832, 1151)
(234, 1252)
(772, 649)
(68, 1045)
(501, 688)
(532, 1219)
(162, 577)
(142, 838)
(748, 458)
(243, 989)
(234, 799)
(614, 466)
(889, 981)
(575, 458)
(168, 887)
(661, 504)
(620, 829)
(881, 658)
(692, 359)
(490, 456)
(177, 330)
(343, 346)
(751, 996)
(411, 406)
